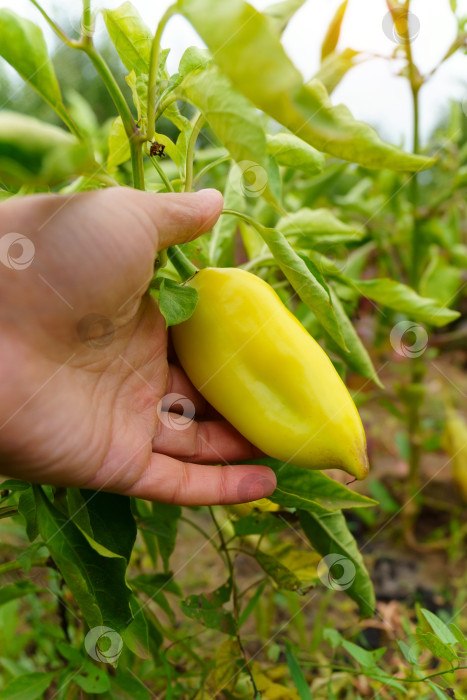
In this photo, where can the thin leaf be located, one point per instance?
(246, 46)
(336, 66)
(23, 46)
(250, 606)
(95, 576)
(357, 358)
(307, 489)
(27, 508)
(292, 152)
(278, 572)
(329, 534)
(130, 36)
(230, 114)
(439, 627)
(308, 227)
(399, 297)
(163, 523)
(282, 12)
(17, 590)
(28, 686)
(333, 32)
(221, 245)
(311, 290)
(297, 674)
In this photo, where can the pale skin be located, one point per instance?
(74, 414)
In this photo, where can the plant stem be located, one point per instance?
(153, 69)
(55, 28)
(197, 126)
(415, 393)
(184, 267)
(236, 607)
(209, 166)
(136, 150)
(131, 130)
(86, 25)
(162, 175)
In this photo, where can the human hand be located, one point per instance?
(80, 411)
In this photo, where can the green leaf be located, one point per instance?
(127, 685)
(130, 36)
(297, 674)
(14, 485)
(27, 556)
(357, 358)
(250, 606)
(221, 245)
(329, 534)
(436, 646)
(17, 590)
(336, 66)
(230, 115)
(307, 489)
(163, 523)
(362, 656)
(176, 302)
(194, 58)
(437, 691)
(23, 46)
(441, 281)
(27, 508)
(284, 577)
(258, 524)
(282, 12)
(95, 576)
(408, 653)
(28, 686)
(92, 679)
(33, 152)
(118, 145)
(399, 297)
(292, 152)
(136, 635)
(78, 511)
(155, 586)
(247, 48)
(309, 227)
(332, 35)
(208, 610)
(111, 520)
(306, 281)
(439, 627)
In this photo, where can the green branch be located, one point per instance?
(190, 156)
(153, 70)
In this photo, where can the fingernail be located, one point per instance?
(254, 486)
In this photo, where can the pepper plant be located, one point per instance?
(276, 146)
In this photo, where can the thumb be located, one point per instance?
(177, 218)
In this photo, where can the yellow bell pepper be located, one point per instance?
(256, 364)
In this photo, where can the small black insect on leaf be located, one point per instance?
(157, 149)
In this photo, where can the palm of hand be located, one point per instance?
(81, 411)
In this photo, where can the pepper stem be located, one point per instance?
(184, 267)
